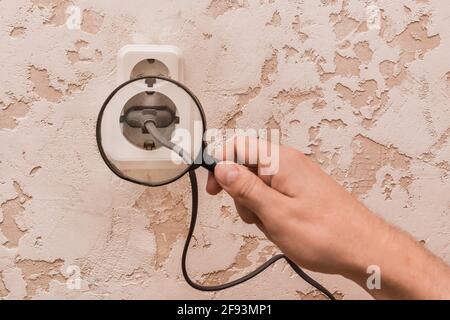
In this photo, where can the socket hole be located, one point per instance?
(149, 67)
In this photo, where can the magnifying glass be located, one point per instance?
(150, 131)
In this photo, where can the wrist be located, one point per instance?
(405, 269)
(370, 238)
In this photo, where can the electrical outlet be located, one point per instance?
(131, 150)
(137, 60)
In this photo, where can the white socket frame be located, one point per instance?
(124, 154)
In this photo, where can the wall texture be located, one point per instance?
(369, 102)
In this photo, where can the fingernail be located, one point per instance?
(226, 173)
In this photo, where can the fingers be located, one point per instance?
(284, 161)
(212, 186)
(252, 152)
(240, 149)
(251, 218)
(249, 190)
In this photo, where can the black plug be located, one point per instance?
(138, 116)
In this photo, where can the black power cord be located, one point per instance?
(261, 268)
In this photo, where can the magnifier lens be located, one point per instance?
(150, 131)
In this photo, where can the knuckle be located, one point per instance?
(246, 188)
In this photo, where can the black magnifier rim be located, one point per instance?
(116, 171)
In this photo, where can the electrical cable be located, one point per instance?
(150, 126)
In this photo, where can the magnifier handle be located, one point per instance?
(209, 162)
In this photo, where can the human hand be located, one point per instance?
(318, 224)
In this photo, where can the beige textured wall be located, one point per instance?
(370, 105)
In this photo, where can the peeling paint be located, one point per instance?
(11, 210)
(275, 20)
(240, 262)
(39, 274)
(17, 32)
(368, 157)
(168, 224)
(92, 21)
(57, 8)
(317, 295)
(10, 115)
(295, 97)
(220, 7)
(42, 86)
(3, 290)
(269, 69)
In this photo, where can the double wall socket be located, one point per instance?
(135, 61)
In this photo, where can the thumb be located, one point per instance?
(249, 190)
